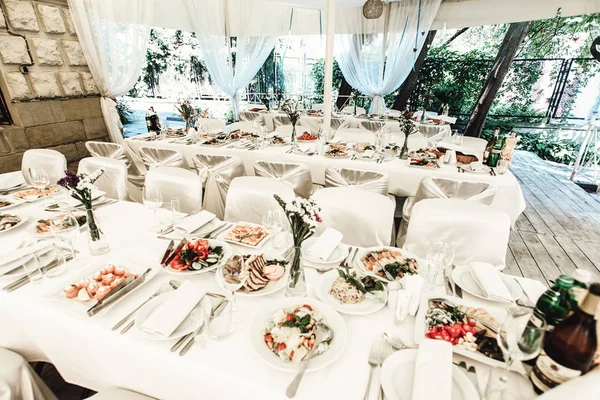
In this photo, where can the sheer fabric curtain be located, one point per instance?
(114, 35)
(236, 37)
(376, 56)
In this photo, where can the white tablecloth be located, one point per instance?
(404, 179)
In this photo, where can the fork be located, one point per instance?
(161, 290)
(375, 360)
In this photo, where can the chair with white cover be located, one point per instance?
(355, 135)
(295, 175)
(478, 231)
(157, 157)
(286, 130)
(431, 188)
(216, 173)
(19, 381)
(246, 126)
(349, 109)
(114, 179)
(346, 208)
(177, 182)
(317, 107)
(118, 394)
(250, 197)
(248, 116)
(211, 124)
(372, 181)
(52, 161)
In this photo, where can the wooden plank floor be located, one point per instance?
(560, 229)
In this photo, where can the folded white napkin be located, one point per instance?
(533, 288)
(434, 361)
(489, 280)
(368, 153)
(11, 259)
(10, 180)
(477, 167)
(165, 318)
(67, 200)
(325, 244)
(191, 223)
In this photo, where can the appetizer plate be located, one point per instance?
(242, 223)
(272, 287)
(227, 253)
(434, 164)
(462, 277)
(7, 202)
(422, 264)
(192, 322)
(398, 374)
(66, 201)
(368, 306)
(34, 198)
(21, 222)
(330, 318)
(498, 313)
(338, 255)
(49, 233)
(338, 157)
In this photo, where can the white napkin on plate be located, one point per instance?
(409, 298)
(433, 371)
(325, 244)
(10, 259)
(477, 167)
(533, 288)
(489, 280)
(193, 222)
(165, 318)
(73, 202)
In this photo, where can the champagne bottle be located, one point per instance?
(490, 144)
(556, 303)
(570, 348)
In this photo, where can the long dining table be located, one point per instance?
(404, 179)
(38, 323)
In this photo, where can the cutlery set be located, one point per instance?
(380, 350)
(16, 188)
(451, 287)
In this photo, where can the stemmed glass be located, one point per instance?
(273, 222)
(65, 228)
(54, 254)
(152, 198)
(39, 178)
(440, 256)
(520, 338)
(231, 276)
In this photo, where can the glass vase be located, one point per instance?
(404, 150)
(187, 124)
(296, 286)
(294, 139)
(96, 240)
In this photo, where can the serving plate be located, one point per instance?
(462, 277)
(421, 264)
(468, 168)
(9, 199)
(227, 253)
(30, 199)
(398, 375)
(49, 233)
(240, 223)
(21, 222)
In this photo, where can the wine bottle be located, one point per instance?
(570, 348)
(490, 144)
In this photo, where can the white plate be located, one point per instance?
(368, 306)
(13, 202)
(8, 181)
(49, 234)
(258, 246)
(462, 277)
(227, 253)
(437, 165)
(192, 322)
(272, 286)
(398, 374)
(67, 200)
(421, 264)
(21, 222)
(31, 199)
(279, 145)
(307, 141)
(497, 313)
(330, 318)
(467, 168)
(336, 257)
(338, 157)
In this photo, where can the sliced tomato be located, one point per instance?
(290, 317)
(307, 307)
(268, 338)
(280, 346)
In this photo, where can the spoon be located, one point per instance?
(322, 335)
(451, 304)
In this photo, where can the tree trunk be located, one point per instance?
(343, 94)
(508, 49)
(410, 82)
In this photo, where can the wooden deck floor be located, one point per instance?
(560, 228)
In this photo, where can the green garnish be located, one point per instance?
(299, 322)
(396, 268)
(365, 285)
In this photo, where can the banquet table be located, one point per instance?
(404, 179)
(86, 352)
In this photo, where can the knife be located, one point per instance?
(124, 287)
(25, 279)
(168, 251)
(457, 289)
(449, 287)
(174, 253)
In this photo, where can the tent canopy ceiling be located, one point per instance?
(309, 19)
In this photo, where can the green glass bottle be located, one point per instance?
(557, 302)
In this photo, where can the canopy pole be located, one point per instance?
(330, 31)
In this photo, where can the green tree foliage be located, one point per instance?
(157, 57)
(318, 76)
(269, 77)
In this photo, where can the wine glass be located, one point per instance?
(39, 178)
(55, 254)
(440, 256)
(273, 222)
(152, 198)
(520, 338)
(65, 228)
(231, 276)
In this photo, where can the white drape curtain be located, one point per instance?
(115, 50)
(232, 48)
(376, 56)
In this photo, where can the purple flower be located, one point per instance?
(70, 180)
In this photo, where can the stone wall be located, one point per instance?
(55, 104)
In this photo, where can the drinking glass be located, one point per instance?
(31, 265)
(221, 326)
(175, 210)
(152, 198)
(497, 389)
(65, 228)
(273, 222)
(39, 177)
(520, 338)
(458, 137)
(54, 254)
(232, 283)
(440, 256)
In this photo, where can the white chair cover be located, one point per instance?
(246, 126)
(114, 179)
(18, 381)
(248, 115)
(280, 120)
(178, 182)
(374, 126)
(339, 123)
(119, 394)
(250, 197)
(286, 130)
(355, 135)
(377, 182)
(52, 161)
(415, 141)
(216, 173)
(345, 208)
(349, 109)
(479, 232)
(431, 188)
(156, 157)
(317, 107)
(212, 124)
(108, 149)
(295, 175)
